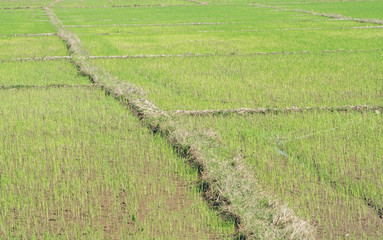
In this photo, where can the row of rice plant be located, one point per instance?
(17, 22)
(17, 4)
(163, 38)
(233, 42)
(39, 73)
(119, 3)
(326, 165)
(136, 27)
(29, 47)
(24, 21)
(177, 14)
(76, 164)
(197, 83)
(360, 9)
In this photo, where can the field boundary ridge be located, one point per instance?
(15, 87)
(249, 111)
(227, 184)
(52, 58)
(29, 35)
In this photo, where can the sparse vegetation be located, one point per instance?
(75, 164)
(327, 165)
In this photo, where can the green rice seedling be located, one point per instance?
(303, 2)
(233, 42)
(361, 9)
(28, 47)
(325, 165)
(76, 164)
(103, 27)
(23, 4)
(347, 155)
(119, 3)
(229, 2)
(38, 73)
(23, 21)
(22, 28)
(233, 34)
(176, 14)
(225, 82)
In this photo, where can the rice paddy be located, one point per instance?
(24, 22)
(327, 165)
(37, 73)
(76, 164)
(201, 30)
(184, 119)
(363, 9)
(272, 81)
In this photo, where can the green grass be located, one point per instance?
(331, 79)
(40, 73)
(28, 47)
(76, 164)
(326, 165)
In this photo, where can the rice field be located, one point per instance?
(272, 81)
(22, 4)
(363, 9)
(36, 73)
(24, 22)
(326, 165)
(76, 164)
(206, 30)
(189, 119)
